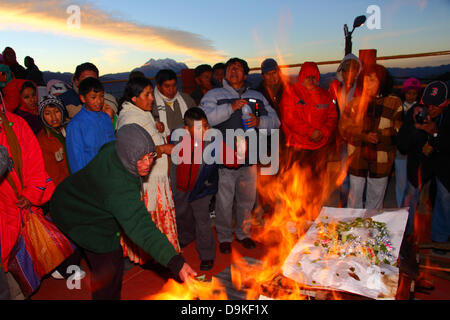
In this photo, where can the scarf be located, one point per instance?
(161, 106)
(407, 106)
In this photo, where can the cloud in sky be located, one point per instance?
(51, 16)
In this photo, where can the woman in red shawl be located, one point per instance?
(33, 190)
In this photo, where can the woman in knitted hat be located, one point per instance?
(102, 201)
(52, 138)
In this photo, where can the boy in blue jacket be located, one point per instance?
(91, 128)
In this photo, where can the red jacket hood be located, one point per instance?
(11, 92)
(308, 69)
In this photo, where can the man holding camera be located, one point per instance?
(425, 138)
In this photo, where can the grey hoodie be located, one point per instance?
(132, 143)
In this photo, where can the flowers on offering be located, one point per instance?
(366, 239)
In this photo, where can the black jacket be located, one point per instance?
(410, 141)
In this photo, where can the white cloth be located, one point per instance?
(161, 106)
(159, 174)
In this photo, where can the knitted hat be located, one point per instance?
(53, 101)
(132, 143)
(5, 161)
(411, 83)
(436, 93)
(111, 101)
(268, 65)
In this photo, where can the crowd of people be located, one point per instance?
(101, 168)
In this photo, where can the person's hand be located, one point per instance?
(164, 149)
(428, 126)
(372, 137)
(186, 272)
(23, 203)
(238, 104)
(168, 148)
(316, 135)
(159, 126)
(252, 122)
(415, 112)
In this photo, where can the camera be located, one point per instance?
(422, 115)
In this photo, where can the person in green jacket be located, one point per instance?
(96, 204)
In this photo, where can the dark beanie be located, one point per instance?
(132, 143)
(268, 65)
(5, 161)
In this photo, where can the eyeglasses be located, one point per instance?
(151, 155)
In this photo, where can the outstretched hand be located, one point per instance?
(186, 272)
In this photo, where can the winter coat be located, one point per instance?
(95, 204)
(304, 111)
(217, 105)
(383, 116)
(87, 132)
(54, 152)
(37, 185)
(198, 179)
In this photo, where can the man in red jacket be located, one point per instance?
(308, 114)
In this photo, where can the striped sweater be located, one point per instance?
(360, 117)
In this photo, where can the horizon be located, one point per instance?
(119, 38)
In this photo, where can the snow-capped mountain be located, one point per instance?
(152, 66)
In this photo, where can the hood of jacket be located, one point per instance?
(308, 69)
(132, 143)
(11, 94)
(348, 57)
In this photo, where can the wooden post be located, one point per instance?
(187, 80)
(368, 57)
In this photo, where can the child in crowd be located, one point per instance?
(52, 138)
(193, 184)
(410, 92)
(91, 128)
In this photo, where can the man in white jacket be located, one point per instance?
(223, 109)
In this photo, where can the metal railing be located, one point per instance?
(395, 57)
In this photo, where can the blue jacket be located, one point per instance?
(87, 132)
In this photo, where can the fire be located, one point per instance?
(297, 196)
(191, 290)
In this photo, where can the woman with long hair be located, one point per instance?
(370, 123)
